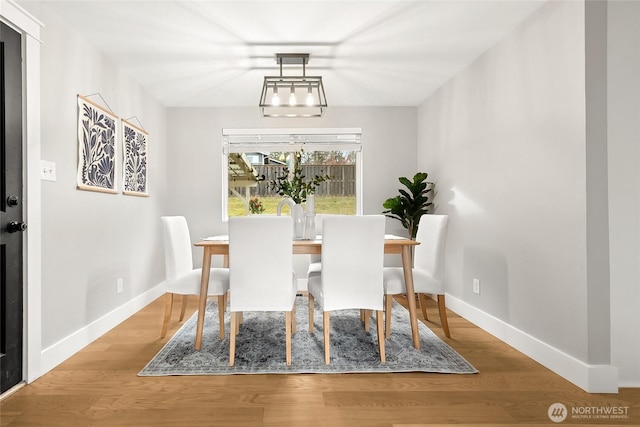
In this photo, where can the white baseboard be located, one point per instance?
(57, 353)
(591, 378)
(629, 384)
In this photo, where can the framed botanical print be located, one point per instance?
(134, 141)
(96, 147)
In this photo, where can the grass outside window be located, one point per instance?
(345, 205)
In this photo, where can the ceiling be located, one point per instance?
(216, 53)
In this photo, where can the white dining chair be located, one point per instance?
(261, 274)
(182, 278)
(351, 272)
(314, 260)
(428, 270)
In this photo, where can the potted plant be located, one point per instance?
(409, 206)
(293, 184)
(255, 206)
(296, 190)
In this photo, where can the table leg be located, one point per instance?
(411, 296)
(204, 290)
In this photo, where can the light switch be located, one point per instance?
(47, 170)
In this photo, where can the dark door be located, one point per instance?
(11, 207)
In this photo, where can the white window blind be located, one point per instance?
(291, 139)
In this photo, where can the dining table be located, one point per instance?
(219, 245)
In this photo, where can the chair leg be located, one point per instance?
(183, 308)
(293, 319)
(379, 321)
(232, 338)
(221, 308)
(288, 327)
(327, 342)
(168, 306)
(366, 314)
(388, 300)
(442, 309)
(422, 298)
(311, 306)
(239, 319)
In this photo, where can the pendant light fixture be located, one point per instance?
(306, 93)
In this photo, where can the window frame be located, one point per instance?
(290, 140)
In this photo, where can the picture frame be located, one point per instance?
(134, 168)
(96, 147)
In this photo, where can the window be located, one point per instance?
(254, 158)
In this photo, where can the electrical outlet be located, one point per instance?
(119, 286)
(476, 286)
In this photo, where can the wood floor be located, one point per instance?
(99, 386)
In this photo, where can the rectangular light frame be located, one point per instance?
(301, 84)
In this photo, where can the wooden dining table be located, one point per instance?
(392, 245)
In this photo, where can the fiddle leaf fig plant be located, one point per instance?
(409, 206)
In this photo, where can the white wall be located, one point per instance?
(195, 150)
(90, 239)
(506, 140)
(624, 186)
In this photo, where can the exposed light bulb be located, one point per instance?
(292, 97)
(275, 99)
(310, 101)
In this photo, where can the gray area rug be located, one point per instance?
(260, 347)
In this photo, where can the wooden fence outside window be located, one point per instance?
(342, 183)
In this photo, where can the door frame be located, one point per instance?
(23, 22)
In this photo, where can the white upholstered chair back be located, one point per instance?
(430, 253)
(177, 247)
(352, 262)
(319, 221)
(315, 259)
(261, 274)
